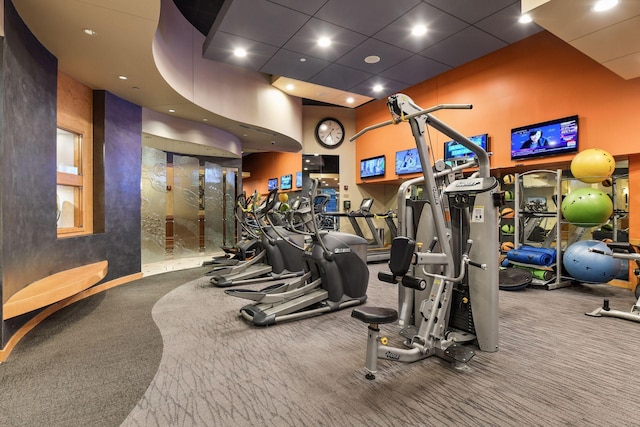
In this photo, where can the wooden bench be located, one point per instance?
(54, 288)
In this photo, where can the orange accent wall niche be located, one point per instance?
(263, 166)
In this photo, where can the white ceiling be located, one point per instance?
(125, 31)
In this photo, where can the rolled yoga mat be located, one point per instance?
(530, 257)
(537, 273)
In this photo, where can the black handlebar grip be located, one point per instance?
(433, 244)
(476, 264)
(468, 248)
(387, 277)
(414, 283)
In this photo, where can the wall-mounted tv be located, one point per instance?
(272, 184)
(408, 161)
(453, 150)
(298, 179)
(551, 138)
(286, 182)
(372, 167)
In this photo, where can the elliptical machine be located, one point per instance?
(276, 260)
(443, 304)
(336, 277)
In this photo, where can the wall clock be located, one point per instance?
(329, 132)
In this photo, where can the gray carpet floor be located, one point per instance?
(99, 363)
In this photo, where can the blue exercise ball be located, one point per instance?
(590, 267)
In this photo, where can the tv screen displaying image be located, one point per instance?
(298, 179)
(373, 167)
(551, 138)
(272, 184)
(453, 150)
(408, 161)
(285, 182)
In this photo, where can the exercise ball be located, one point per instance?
(283, 197)
(509, 179)
(507, 229)
(607, 182)
(590, 267)
(507, 213)
(507, 246)
(593, 165)
(587, 207)
(508, 196)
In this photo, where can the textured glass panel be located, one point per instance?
(186, 232)
(230, 205)
(154, 205)
(213, 207)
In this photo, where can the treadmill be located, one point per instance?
(376, 249)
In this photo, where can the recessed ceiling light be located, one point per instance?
(324, 42)
(303, 59)
(602, 5)
(89, 31)
(122, 77)
(205, 120)
(240, 52)
(289, 87)
(350, 100)
(171, 110)
(525, 19)
(419, 30)
(373, 59)
(377, 88)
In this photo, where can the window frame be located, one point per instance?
(82, 184)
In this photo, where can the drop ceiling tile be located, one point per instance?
(439, 25)
(389, 87)
(221, 48)
(472, 11)
(262, 20)
(364, 16)
(308, 7)
(389, 56)
(340, 77)
(505, 26)
(462, 47)
(305, 40)
(415, 69)
(287, 63)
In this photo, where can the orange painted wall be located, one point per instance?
(263, 166)
(537, 79)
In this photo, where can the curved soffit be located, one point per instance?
(122, 49)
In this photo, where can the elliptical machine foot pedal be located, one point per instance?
(373, 316)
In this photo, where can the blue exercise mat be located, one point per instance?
(549, 251)
(530, 257)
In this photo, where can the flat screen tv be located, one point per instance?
(551, 138)
(272, 184)
(408, 161)
(453, 150)
(286, 182)
(298, 179)
(372, 167)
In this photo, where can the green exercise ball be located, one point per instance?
(507, 229)
(587, 207)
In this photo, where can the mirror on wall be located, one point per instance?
(325, 168)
